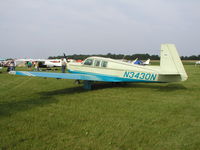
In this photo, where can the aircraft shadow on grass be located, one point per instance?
(9, 108)
(98, 86)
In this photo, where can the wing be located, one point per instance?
(56, 75)
(68, 76)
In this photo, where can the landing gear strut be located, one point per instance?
(77, 82)
(87, 85)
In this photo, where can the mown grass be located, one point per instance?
(37, 113)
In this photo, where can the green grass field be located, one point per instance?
(37, 113)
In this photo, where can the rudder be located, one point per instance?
(170, 61)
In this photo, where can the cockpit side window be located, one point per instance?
(97, 63)
(88, 62)
(104, 64)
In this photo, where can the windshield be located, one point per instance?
(88, 62)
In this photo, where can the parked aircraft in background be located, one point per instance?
(135, 61)
(53, 62)
(147, 62)
(139, 62)
(57, 62)
(43, 62)
(23, 62)
(197, 63)
(109, 70)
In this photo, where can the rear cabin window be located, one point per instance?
(97, 63)
(104, 64)
(88, 62)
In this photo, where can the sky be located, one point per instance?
(42, 28)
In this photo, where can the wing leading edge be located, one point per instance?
(57, 75)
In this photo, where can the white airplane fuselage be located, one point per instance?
(170, 70)
(126, 71)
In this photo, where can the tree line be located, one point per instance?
(121, 56)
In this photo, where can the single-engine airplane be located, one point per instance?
(110, 70)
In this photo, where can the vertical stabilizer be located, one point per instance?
(170, 61)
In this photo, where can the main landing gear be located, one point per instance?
(87, 85)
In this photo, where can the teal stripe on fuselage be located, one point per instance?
(80, 75)
(109, 78)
